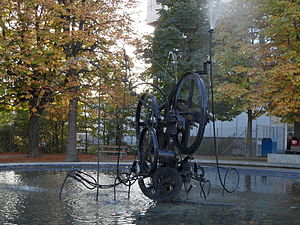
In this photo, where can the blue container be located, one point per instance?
(268, 146)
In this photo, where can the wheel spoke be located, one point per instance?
(148, 151)
(194, 116)
(189, 101)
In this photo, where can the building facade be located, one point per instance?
(152, 14)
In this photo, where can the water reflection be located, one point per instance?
(32, 198)
(248, 182)
(9, 177)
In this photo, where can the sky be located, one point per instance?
(142, 16)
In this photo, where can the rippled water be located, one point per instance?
(31, 197)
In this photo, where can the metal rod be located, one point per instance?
(98, 138)
(211, 88)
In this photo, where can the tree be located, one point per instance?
(54, 119)
(30, 59)
(41, 44)
(179, 42)
(88, 32)
(280, 25)
(116, 108)
(13, 131)
(237, 45)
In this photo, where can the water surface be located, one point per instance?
(31, 197)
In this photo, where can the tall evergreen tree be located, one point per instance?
(179, 44)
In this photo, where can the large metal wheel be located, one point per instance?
(167, 184)
(163, 185)
(147, 113)
(147, 186)
(189, 103)
(148, 151)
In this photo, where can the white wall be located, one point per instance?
(152, 14)
(263, 127)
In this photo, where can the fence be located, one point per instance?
(232, 140)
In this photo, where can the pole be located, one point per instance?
(98, 138)
(211, 90)
(285, 137)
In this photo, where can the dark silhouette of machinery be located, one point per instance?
(168, 136)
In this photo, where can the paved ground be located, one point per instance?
(244, 163)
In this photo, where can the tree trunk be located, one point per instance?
(297, 129)
(249, 135)
(118, 132)
(34, 133)
(71, 147)
(105, 142)
(86, 131)
(56, 137)
(118, 136)
(62, 137)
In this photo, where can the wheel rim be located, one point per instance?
(147, 113)
(190, 105)
(148, 151)
(163, 185)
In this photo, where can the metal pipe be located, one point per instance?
(98, 137)
(211, 87)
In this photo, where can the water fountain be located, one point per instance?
(165, 134)
(216, 12)
(168, 135)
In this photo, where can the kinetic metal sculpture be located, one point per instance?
(168, 135)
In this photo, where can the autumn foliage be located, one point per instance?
(46, 47)
(257, 46)
(280, 26)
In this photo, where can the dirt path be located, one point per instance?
(55, 157)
